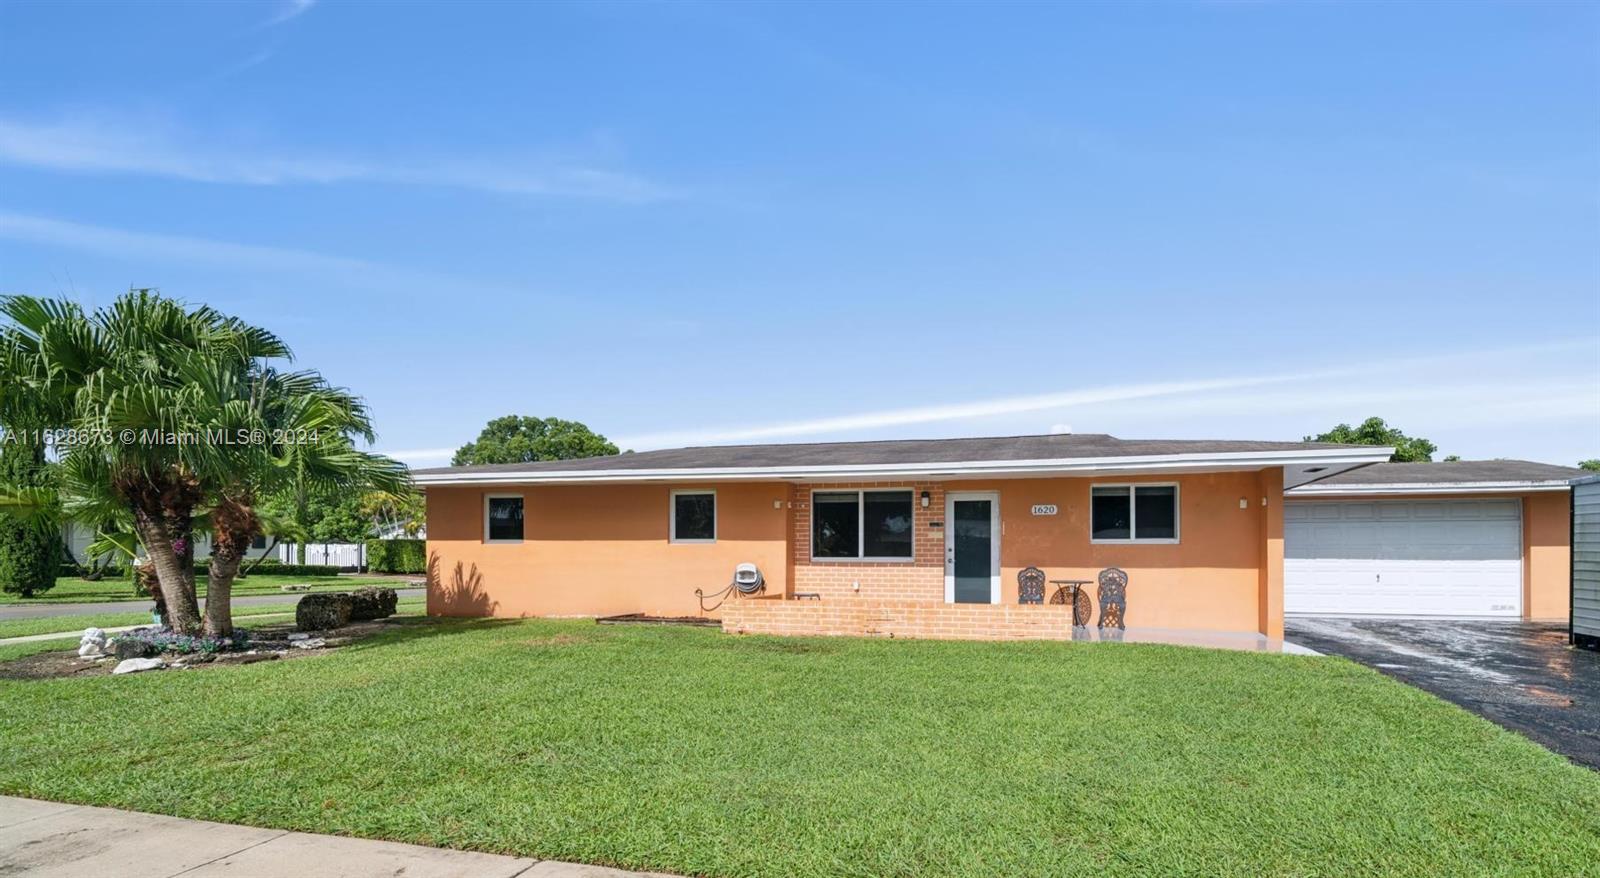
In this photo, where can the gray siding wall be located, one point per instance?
(1586, 559)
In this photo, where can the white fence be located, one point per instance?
(351, 556)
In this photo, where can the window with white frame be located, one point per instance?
(694, 517)
(502, 518)
(862, 525)
(1133, 513)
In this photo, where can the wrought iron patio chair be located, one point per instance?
(1113, 598)
(1030, 586)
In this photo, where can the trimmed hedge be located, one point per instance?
(397, 556)
(277, 568)
(68, 571)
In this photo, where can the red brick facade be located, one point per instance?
(919, 579)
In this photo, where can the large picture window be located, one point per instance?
(862, 525)
(694, 516)
(502, 518)
(1133, 513)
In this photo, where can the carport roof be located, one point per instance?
(908, 458)
(1454, 476)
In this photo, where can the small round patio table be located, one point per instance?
(1082, 605)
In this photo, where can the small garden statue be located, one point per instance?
(93, 643)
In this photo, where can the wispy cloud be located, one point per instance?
(289, 10)
(107, 144)
(170, 248)
(964, 411)
(1441, 389)
(419, 456)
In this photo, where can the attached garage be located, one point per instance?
(1404, 558)
(1477, 539)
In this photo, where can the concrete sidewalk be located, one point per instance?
(78, 632)
(35, 611)
(45, 839)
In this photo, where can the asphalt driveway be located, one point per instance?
(1522, 675)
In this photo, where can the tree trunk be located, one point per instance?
(225, 557)
(182, 610)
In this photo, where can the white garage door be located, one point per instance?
(1404, 558)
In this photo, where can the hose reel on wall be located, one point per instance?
(747, 581)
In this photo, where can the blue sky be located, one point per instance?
(690, 223)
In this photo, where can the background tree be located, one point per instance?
(30, 549)
(1591, 465)
(395, 512)
(324, 517)
(1373, 431)
(520, 439)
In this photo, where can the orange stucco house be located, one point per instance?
(925, 538)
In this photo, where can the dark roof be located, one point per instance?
(894, 451)
(1453, 472)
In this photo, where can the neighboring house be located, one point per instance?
(78, 537)
(1479, 538)
(1585, 627)
(898, 538)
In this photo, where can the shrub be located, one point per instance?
(323, 612)
(154, 641)
(397, 556)
(29, 553)
(373, 602)
(276, 568)
(111, 571)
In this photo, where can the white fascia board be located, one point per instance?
(1318, 490)
(996, 468)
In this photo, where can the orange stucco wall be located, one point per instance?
(596, 550)
(1547, 555)
(602, 549)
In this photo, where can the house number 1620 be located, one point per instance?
(1044, 509)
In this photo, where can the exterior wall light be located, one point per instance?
(924, 499)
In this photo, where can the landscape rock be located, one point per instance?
(323, 612)
(135, 665)
(312, 643)
(299, 635)
(373, 602)
(126, 648)
(299, 586)
(246, 658)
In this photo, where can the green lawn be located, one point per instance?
(693, 751)
(72, 590)
(52, 624)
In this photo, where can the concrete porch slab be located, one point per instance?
(1246, 641)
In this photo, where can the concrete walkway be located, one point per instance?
(49, 839)
(37, 611)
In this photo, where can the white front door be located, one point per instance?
(972, 547)
(1403, 558)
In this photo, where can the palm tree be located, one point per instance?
(301, 435)
(177, 412)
